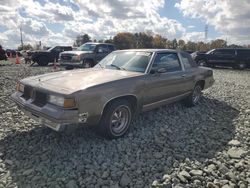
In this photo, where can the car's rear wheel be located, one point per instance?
(241, 65)
(202, 62)
(87, 63)
(69, 67)
(116, 119)
(194, 98)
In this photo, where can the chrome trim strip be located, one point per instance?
(163, 102)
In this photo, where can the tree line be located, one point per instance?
(126, 40)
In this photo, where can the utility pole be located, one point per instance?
(21, 35)
(205, 33)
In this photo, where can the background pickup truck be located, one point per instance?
(43, 58)
(86, 55)
(236, 58)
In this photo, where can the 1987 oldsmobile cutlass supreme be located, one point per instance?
(108, 95)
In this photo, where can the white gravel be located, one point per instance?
(173, 146)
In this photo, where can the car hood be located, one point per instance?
(76, 52)
(68, 82)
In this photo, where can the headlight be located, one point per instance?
(20, 87)
(76, 57)
(61, 101)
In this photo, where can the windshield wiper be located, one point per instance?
(112, 65)
(100, 66)
(118, 68)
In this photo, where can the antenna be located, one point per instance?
(21, 35)
(206, 32)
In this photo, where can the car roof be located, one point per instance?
(151, 50)
(97, 43)
(232, 49)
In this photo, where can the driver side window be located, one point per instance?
(168, 61)
(102, 49)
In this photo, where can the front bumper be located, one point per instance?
(70, 63)
(49, 115)
(209, 82)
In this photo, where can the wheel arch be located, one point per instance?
(201, 83)
(132, 99)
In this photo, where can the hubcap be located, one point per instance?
(87, 65)
(196, 94)
(120, 119)
(202, 63)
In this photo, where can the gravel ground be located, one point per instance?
(173, 146)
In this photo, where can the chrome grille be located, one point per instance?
(40, 99)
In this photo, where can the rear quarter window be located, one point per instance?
(111, 48)
(243, 53)
(187, 60)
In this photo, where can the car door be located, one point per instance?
(215, 57)
(101, 52)
(228, 57)
(165, 85)
(189, 71)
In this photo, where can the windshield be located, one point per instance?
(51, 48)
(126, 60)
(210, 51)
(86, 47)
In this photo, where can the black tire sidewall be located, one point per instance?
(241, 65)
(84, 62)
(105, 126)
(189, 102)
(204, 62)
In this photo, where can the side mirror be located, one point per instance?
(157, 71)
(162, 70)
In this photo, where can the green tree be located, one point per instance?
(191, 46)
(201, 46)
(124, 40)
(159, 42)
(81, 39)
(143, 40)
(174, 44)
(181, 44)
(218, 43)
(25, 47)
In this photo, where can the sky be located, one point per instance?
(58, 22)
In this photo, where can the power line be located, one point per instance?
(21, 35)
(206, 33)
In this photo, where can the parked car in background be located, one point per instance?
(228, 57)
(189, 51)
(44, 57)
(3, 55)
(86, 55)
(123, 84)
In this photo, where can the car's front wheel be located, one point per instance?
(116, 119)
(194, 98)
(87, 63)
(202, 62)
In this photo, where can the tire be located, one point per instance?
(194, 98)
(202, 62)
(115, 120)
(42, 61)
(241, 65)
(69, 67)
(87, 63)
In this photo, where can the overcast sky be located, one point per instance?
(59, 21)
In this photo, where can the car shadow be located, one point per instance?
(157, 141)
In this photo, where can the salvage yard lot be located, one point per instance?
(207, 145)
